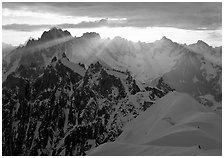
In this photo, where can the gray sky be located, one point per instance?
(31, 17)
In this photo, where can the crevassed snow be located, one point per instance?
(175, 125)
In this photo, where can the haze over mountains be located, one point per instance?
(65, 95)
(6, 48)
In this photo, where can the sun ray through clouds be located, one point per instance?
(109, 79)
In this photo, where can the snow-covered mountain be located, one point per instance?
(176, 125)
(65, 95)
(145, 61)
(38, 52)
(197, 76)
(64, 109)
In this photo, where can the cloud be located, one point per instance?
(24, 27)
(84, 24)
(215, 36)
(179, 15)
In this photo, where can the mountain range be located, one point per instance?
(65, 95)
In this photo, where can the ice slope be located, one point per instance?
(175, 125)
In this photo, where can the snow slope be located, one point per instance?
(73, 66)
(175, 125)
(125, 149)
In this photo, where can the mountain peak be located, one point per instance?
(30, 42)
(91, 35)
(54, 33)
(164, 38)
(120, 39)
(55, 28)
(200, 42)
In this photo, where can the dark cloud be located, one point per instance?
(180, 15)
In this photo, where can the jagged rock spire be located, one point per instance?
(54, 33)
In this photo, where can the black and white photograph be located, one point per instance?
(111, 78)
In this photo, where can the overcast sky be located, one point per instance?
(181, 22)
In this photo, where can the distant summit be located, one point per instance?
(30, 42)
(91, 35)
(51, 35)
(54, 33)
(212, 54)
(165, 39)
(200, 42)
